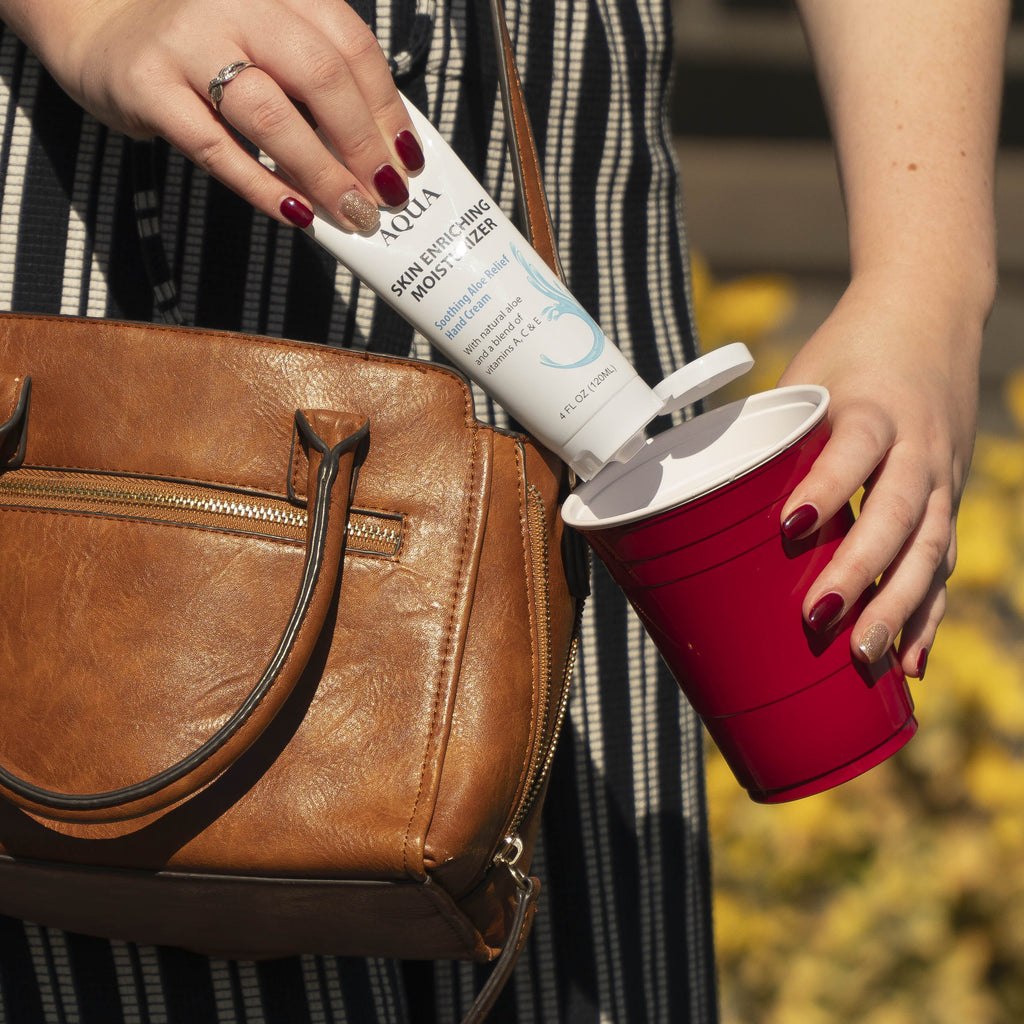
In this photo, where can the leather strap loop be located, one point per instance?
(526, 908)
(533, 208)
(533, 204)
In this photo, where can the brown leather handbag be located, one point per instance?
(285, 645)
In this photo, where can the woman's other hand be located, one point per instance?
(900, 362)
(144, 67)
(912, 91)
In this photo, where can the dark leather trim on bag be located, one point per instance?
(14, 433)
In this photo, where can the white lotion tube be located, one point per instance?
(457, 268)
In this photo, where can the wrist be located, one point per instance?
(939, 244)
(920, 316)
(949, 286)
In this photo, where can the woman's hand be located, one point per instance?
(900, 362)
(912, 91)
(144, 66)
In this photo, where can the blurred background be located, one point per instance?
(899, 897)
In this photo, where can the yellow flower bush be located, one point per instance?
(897, 898)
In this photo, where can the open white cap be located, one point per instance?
(703, 376)
(617, 432)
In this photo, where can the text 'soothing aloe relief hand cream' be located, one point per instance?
(455, 266)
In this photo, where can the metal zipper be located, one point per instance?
(544, 753)
(373, 533)
(368, 532)
(549, 754)
(509, 854)
(537, 531)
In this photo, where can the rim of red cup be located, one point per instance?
(577, 509)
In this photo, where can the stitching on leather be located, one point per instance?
(415, 365)
(447, 657)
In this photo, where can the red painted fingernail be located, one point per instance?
(922, 662)
(826, 613)
(391, 186)
(297, 212)
(799, 521)
(408, 150)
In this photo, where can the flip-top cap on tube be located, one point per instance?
(626, 415)
(615, 432)
(703, 376)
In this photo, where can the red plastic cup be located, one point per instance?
(689, 528)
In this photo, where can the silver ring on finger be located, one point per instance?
(225, 75)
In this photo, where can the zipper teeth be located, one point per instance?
(366, 529)
(156, 499)
(544, 755)
(549, 757)
(363, 527)
(539, 555)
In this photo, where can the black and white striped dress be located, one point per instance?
(624, 934)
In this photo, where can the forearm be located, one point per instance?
(912, 89)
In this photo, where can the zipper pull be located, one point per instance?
(519, 929)
(509, 854)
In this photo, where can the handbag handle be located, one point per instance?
(526, 169)
(331, 440)
(533, 208)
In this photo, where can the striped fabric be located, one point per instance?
(93, 224)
